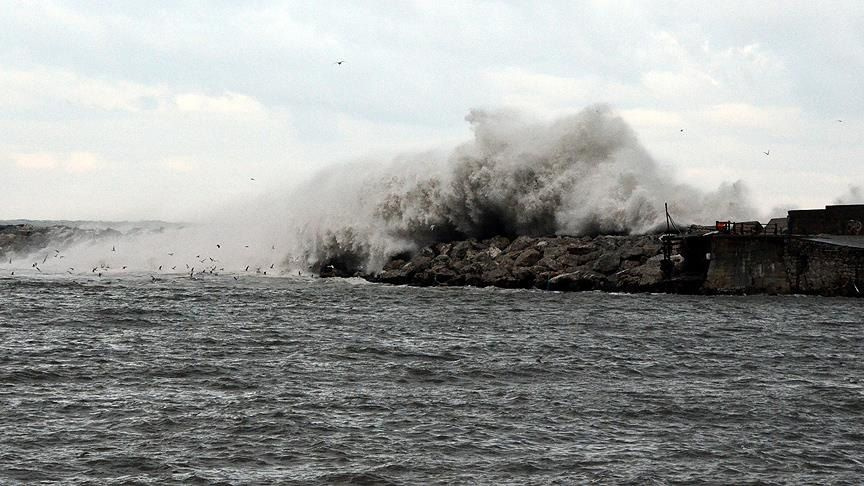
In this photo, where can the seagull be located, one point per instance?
(339, 62)
(767, 153)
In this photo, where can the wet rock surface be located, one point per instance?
(611, 263)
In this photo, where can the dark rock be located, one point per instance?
(551, 264)
(419, 263)
(581, 248)
(499, 242)
(441, 260)
(443, 248)
(528, 258)
(642, 278)
(520, 244)
(579, 281)
(394, 265)
(499, 277)
(607, 263)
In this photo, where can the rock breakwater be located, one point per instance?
(623, 263)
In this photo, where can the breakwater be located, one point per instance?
(626, 263)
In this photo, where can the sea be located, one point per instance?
(262, 380)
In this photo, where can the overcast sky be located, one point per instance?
(165, 110)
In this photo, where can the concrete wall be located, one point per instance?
(747, 265)
(824, 269)
(783, 265)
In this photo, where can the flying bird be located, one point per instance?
(767, 153)
(339, 62)
(171, 254)
(218, 245)
(251, 178)
(113, 248)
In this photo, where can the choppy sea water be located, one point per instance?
(304, 381)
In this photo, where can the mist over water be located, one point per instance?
(582, 174)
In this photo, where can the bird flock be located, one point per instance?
(203, 265)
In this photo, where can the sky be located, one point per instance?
(168, 110)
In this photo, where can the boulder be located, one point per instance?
(607, 263)
(499, 277)
(443, 248)
(520, 244)
(578, 281)
(551, 264)
(641, 278)
(499, 242)
(528, 258)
